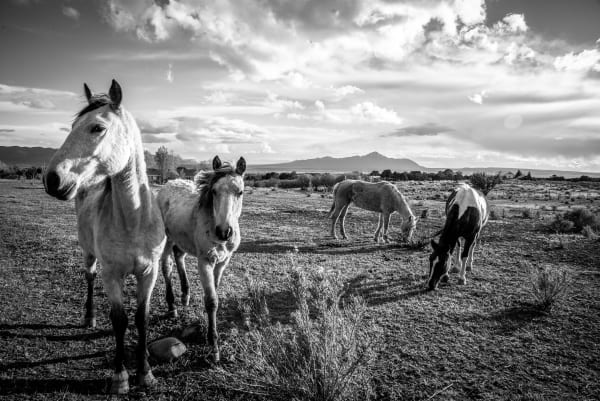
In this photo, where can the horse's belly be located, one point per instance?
(365, 204)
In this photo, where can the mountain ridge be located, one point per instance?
(39, 156)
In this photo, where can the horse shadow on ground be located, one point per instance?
(37, 386)
(50, 361)
(514, 318)
(324, 246)
(382, 291)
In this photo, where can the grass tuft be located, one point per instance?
(549, 287)
(325, 353)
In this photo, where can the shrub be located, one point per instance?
(326, 353)
(548, 286)
(485, 183)
(589, 232)
(425, 213)
(560, 225)
(526, 213)
(493, 215)
(583, 217)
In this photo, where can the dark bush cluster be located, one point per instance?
(575, 221)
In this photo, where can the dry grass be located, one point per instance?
(479, 341)
(549, 287)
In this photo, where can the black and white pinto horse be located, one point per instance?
(467, 211)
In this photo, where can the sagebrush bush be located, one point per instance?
(560, 226)
(493, 215)
(582, 217)
(548, 286)
(589, 232)
(325, 353)
(526, 213)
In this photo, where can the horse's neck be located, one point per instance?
(130, 193)
(402, 206)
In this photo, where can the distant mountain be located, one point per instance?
(25, 157)
(369, 162)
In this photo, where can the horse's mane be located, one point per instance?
(96, 101)
(206, 179)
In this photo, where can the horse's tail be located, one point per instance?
(335, 188)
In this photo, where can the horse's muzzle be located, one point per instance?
(55, 188)
(224, 234)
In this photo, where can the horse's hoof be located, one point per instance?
(185, 300)
(172, 314)
(147, 380)
(462, 281)
(444, 278)
(120, 383)
(469, 268)
(89, 322)
(454, 269)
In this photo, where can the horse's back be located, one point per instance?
(177, 200)
(373, 196)
(464, 198)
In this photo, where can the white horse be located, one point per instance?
(101, 164)
(202, 219)
(381, 197)
(467, 212)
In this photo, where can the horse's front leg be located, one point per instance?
(183, 277)
(462, 278)
(145, 285)
(167, 271)
(211, 304)
(113, 285)
(90, 275)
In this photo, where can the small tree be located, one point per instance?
(485, 183)
(518, 174)
(164, 162)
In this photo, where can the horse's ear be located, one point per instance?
(240, 167)
(88, 92)
(434, 245)
(217, 163)
(115, 93)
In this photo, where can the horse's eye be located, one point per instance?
(96, 129)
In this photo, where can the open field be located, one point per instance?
(479, 341)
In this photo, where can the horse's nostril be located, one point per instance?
(52, 182)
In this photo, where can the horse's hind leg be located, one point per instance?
(334, 218)
(167, 271)
(471, 252)
(455, 266)
(343, 220)
(113, 286)
(378, 231)
(145, 285)
(462, 279)
(183, 277)
(211, 304)
(90, 275)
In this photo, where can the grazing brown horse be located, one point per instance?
(202, 219)
(381, 197)
(101, 164)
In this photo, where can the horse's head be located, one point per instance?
(223, 194)
(438, 264)
(408, 227)
(97, 147)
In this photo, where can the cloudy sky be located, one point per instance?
(447, 83)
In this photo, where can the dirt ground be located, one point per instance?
(480, 341)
